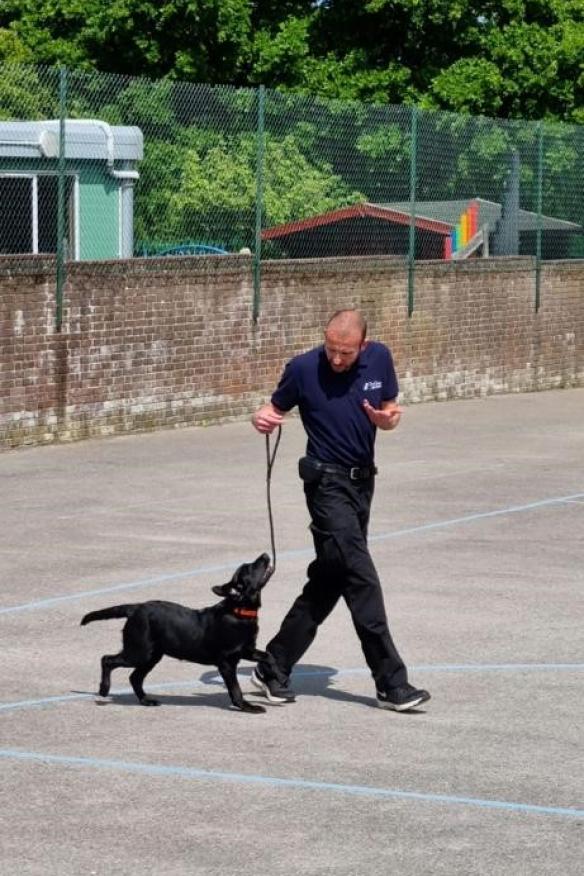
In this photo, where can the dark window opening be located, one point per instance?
(18, 216)
(15, 214)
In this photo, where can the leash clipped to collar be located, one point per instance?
(270, 459)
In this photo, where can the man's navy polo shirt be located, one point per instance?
(331, 404)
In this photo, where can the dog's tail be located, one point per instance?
(109, 613)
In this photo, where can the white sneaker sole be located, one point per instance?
(404, 707)
(265, 690)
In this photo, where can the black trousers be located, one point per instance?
(339, 509)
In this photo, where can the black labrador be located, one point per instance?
(220, 635)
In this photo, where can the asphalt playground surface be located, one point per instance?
(478, 534)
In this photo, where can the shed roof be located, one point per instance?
(439, 217)
(489, 214)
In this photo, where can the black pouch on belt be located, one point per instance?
(309, 470)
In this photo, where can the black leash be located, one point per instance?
(270, 458)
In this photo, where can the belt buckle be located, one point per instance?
(355, 473)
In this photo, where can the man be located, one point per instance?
(345, 390)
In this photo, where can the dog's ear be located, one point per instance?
(231, 588)
(221, 589)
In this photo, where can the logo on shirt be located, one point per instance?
(371, 384)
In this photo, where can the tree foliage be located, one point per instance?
(338, 129)
(511, 58)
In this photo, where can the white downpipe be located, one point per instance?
(109, 142)
(126, 193)
(35, 214)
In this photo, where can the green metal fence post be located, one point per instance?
(61, 200)
(259, 203)
(539, 214)
(413, 185)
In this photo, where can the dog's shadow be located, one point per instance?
(219, 700)
(307, 680)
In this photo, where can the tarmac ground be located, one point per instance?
(477, 532)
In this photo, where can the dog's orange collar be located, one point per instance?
(245, 612)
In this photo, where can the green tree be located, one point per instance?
(510, 58)
(28, 93)
(201, 40)
(205, 188)
(12, 49)
(526, 66)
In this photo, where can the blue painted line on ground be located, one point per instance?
(304, 673)
(201, 570)
(483, 515)
(192, 773)
(133, 585)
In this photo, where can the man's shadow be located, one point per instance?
(306, 680)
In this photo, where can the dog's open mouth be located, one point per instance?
(267, 574)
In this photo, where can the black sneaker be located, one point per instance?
(401, 698)
(276, 691)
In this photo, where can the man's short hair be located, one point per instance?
(349, 317)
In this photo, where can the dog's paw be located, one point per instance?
(248, 707)
(148, 701)
(101, 700)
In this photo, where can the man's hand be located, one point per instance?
(267, 418)
(387, 417)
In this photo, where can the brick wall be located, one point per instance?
(156, 343)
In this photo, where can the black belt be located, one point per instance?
(354, 473)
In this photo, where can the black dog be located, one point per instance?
(220, 635)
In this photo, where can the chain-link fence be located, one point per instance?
(97, 167)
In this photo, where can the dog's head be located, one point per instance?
(247, 582)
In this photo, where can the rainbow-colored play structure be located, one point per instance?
(463, 232)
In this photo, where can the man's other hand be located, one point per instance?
(387, 417)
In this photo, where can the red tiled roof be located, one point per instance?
(355, 211)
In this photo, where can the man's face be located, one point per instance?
(342, 350)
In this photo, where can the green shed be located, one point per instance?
(100, 173)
